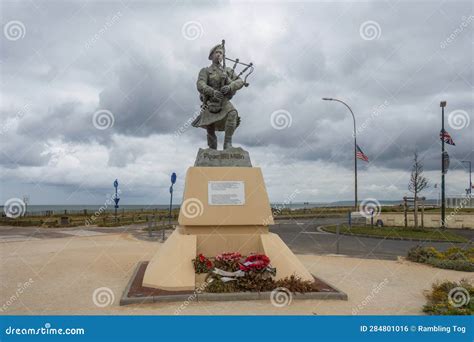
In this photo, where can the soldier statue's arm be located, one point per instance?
(235, 83)
(201, 84)
(232, 84)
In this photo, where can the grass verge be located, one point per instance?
(399, 233)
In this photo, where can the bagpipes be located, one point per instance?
(217, 106)
(236, 61)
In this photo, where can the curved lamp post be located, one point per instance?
(173, 180)
(355, 147)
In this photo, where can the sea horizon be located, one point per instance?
(75, 208)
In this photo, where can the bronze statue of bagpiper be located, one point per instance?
(217, 84)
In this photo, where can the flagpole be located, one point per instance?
(443, 171)
(355, 147)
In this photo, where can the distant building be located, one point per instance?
(460, 201)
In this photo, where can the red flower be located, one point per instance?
(229, 256)
(202, 264)
(255, 262)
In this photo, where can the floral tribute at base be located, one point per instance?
(232, 272)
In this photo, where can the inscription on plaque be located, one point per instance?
(234, 156)
(223, 156)
(226, 192)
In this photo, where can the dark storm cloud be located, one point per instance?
(146, 99)
(134, 60)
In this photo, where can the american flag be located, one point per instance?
(443, 135)
(361, 154)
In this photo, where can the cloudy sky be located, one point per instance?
(93, 91)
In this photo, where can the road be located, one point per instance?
(302, 236)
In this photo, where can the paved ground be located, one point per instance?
(302, 236)
(64, 273)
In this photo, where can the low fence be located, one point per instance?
(431, 220)
(91, 219)
(90, 211)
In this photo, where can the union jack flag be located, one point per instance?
(361, 155)
(443, 135)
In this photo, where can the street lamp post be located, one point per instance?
(443, 171)
(355, 147)
(469, 191)
(173, 180)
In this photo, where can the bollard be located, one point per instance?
(163, 231)
(372, 218)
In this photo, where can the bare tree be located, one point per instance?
(418, 182)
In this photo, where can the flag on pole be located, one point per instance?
(361, 155)
(443, 135)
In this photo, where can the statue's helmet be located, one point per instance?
(214, 49)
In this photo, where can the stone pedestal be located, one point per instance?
(224, 209)
(234, 157)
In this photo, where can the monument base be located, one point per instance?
(171, 269)
(136, 293)
(209, 225)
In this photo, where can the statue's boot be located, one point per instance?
(230, 126)
(211, 138)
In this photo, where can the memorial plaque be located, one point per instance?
(235, 156)
(226, 193)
